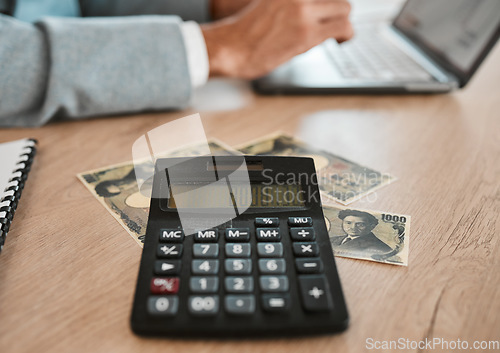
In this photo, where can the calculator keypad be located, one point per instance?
(226, 267)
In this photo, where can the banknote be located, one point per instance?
(368, 235)
(116, 188)
(339, 179)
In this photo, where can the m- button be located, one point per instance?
(237, 234)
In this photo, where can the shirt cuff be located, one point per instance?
(196, 50)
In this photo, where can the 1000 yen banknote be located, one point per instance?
(339, 179)
(368, 235)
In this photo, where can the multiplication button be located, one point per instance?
(305, 249)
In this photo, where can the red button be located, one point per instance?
(165, 285)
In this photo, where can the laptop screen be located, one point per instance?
(458, 32)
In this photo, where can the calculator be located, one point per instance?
(249, 256)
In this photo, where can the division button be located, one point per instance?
(302, 234)
(208, 305)
(300, 221)
(206, 250)
(305, 249)
(270, 249)
(315, 293)
(163, 305)
(269, 266)
(205, 267)
(206, 236)
(164, 285)
(276, 302)
(240, 304)
(273, 283)
(172, 235)
(204, 284)
(169, 251)
(268, 234)
(171, 267)
(237, 234)
(267, 222)
(238, 266)
(238, 250)
(309, 265)
(238, 284)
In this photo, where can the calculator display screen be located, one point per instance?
(217, 196)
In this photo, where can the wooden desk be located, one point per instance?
(68, 270)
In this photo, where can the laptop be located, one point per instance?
(432, 46)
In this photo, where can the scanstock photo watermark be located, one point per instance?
(436, 343)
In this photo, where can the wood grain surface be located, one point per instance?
(68, 270)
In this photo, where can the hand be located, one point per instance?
(268, 33)
(225, 8)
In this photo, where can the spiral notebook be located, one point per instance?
(16, 158)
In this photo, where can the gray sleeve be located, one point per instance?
(188, 10)
(75, 68)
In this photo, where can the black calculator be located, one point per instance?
(237, 246)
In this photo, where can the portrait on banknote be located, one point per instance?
(368, 235)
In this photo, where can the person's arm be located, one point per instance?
(77, 68)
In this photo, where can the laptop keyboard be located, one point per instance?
(371, 57)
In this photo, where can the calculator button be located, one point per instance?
(302, 234)
(315, 293)
(171, 267)
(238, 266)
(237, 234)
(240, 304)
(276, 302)
(205, 267)
(305, 249)
(299, 221)
(207, 236)
(164, 285)
(169, 251)
(273, 283)
(268, 234)
(238, 284)
(238, 250)
(308, 265)
(208, 305)
(270, 249)
(272, 266)
(205, 250)
(163, 305)
(204, 284)
(172, 235)
(267, 222)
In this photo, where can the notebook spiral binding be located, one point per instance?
(13, 191)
